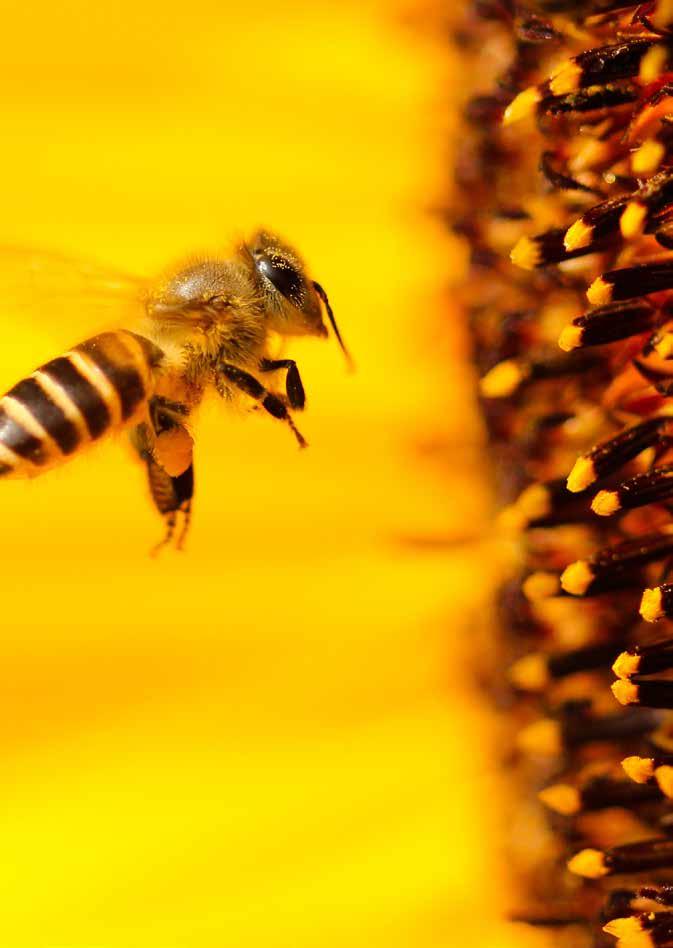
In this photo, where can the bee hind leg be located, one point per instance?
(172, 497)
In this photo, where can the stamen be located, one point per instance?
(608, 457)
(650, 487)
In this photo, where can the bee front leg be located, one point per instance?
(247, 383)
(293, 383)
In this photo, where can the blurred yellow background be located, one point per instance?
(255, 742)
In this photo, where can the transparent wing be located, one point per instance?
(50, 301)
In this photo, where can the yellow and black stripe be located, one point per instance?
(102, 384)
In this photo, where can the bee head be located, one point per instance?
(292, 300)
(198, 292)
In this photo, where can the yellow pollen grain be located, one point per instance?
(523, 106)
(623, 927)
(600, 292)
(543, 738)
(626, 665)
(570, 338)
(561, 798)
(589, 863)
(632, 221)
(638, 769)
(503, 379)
(576, 578)
(653, 63)
(625, 691)
(540, 585)
(578, 236)
(647, 158)
(567, 79)
(582, 475)
(525, 254)
(651, 607)
(530, 673)
(664, 777)
(606, 503)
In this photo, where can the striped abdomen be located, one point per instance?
(102, 384)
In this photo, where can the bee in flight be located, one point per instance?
(206, 325)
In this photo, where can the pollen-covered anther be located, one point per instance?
(652, 604)
(589, 863)
(530, 672)
(599, 293)
(639, 769)
(632, 221)
(562, 798)
(523, 106)
(526, 254)
(626, 664)
(606, 503)
(648, 692)
(608, 456)
(664, 777)
(566, 79)
(655, 853)
(541, 585)
(625, 691)
(651, 487)
(578, 235)
(648, 157)
(503, 379)
(570, 338)
(582, 475)
(541, 738)
(623, 928)
(577, 577)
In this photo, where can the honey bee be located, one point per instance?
(205, 325)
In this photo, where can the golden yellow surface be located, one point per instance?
(271, 739)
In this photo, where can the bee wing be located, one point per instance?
(50, 301)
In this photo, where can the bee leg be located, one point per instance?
(253, 387)
(168, 536)
(165, 414)
(293, 383)
(172, 496)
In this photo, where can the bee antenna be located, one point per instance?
(323, 296)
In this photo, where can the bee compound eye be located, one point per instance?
(283, 275)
